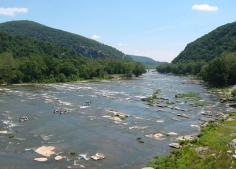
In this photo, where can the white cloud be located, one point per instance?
(205, 7)
(12, 11)
(95, 37)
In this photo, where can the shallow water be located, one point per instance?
(85, 130)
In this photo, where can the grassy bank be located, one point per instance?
(211, 150)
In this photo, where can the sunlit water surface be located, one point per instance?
(85, 130)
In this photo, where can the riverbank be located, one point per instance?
(113, 77)
(214, 147)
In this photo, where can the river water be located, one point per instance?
(85, 128)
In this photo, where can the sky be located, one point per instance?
(159, 29)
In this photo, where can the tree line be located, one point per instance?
(37, 68)
(220, 71)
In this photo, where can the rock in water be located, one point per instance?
(175, 145)
(41, 159)
(184, 116)
(84, 156)
(46, 151)
(186, 138)
(98, 156)
(156, 136)
(23, 119)
(171, 134)
(3, 132)
(57, 158)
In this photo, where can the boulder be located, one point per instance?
(46, 151)
(233, 144)
(58, 157)
(175, 145)
(202, 150)
(186, 138)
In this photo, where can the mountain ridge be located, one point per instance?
(74, 42)
(211, 45)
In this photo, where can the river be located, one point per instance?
(86, 128)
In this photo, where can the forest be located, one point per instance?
(220, 71)
(45, 69)
(24, 59)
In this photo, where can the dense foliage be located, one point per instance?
(221, 71)
(210, 46)
(72, 42)
(185, 68)
(37, 68)
(24, 59)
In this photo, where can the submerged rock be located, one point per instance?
(140, 140)
(184, 116)
(60, 111)
(84, 156)
(45, 137)
(116, 116)
(178, 109)
(46, 151)
(23, 119)
(137, 127)
(98, 156)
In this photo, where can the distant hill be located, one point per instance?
(148, 62)
(73, 42)
(210, 46)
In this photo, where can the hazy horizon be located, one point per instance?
(159, 30)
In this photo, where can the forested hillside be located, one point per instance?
(210, 46)
(212, 58)
(73, 42)
(26, 59)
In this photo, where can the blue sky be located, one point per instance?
(156, 28)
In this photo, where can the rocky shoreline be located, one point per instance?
(214, 147)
